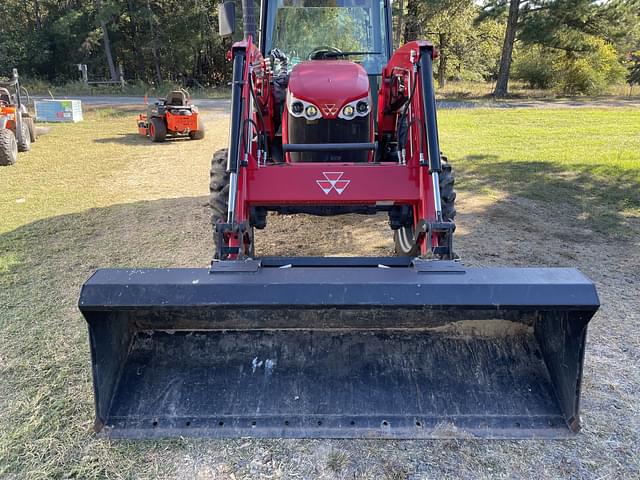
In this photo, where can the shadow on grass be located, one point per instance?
(45, 373)
(594, 195)
(137, 139)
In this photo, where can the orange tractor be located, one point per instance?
(173, 116)
(17, 130)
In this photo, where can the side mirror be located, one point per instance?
(226, 18)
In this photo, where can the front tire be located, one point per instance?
(8, 147)
(157, 130)
(24, 140)
(219, 197)
(33, 133)
(219, 187)
(403, 237)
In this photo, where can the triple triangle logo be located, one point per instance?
(333, 181)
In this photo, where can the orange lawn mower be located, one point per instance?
(173, 116)
(17, 129)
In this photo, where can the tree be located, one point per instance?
(507, 49)
(102, 18)
(565, 25)
(412, 30)
(452, 23)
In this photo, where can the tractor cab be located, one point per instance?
(308, 30)
(331, 54)
(326, 58)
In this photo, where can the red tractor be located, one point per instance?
(412, 346)
(173, 116)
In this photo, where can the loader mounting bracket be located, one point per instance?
(427, 228)
(222, 232)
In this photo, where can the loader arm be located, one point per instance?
(408, 177)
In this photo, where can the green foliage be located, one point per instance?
(176, 41)
(48, 41)
(587, 72)
(578, 43)
(591, 72)
(469, 49)
(535, 66)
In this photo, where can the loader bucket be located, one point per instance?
(338, 348)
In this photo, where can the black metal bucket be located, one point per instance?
(338, 348)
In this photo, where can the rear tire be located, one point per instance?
(157, 130)
(33, 134)
(198, 134)
(219, 196)
(8, 147)
(24, 144)
(403, 237)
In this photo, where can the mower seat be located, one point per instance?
(177, 99)
(5, 96)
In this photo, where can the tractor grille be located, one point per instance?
(329, 131)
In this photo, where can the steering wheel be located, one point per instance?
(320, 53)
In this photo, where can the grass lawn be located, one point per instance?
(94, 194)
(588, 160)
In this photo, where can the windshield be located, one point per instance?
(317, 29)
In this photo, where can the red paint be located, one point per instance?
(329, 84)
(335, 82)
(361, 184)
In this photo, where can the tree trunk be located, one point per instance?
(442, 64)
(398, 41)
(38, 19)
(502, 83)
(412, 27)
(107, 43)
(134, 41)
(154, 46)
(107, 50)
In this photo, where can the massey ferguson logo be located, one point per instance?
(333, 181)
(330, 109)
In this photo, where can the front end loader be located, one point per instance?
(411, 346)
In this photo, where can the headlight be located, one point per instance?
(299, 108)
(360, 108)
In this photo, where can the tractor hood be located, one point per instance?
(328, 84)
